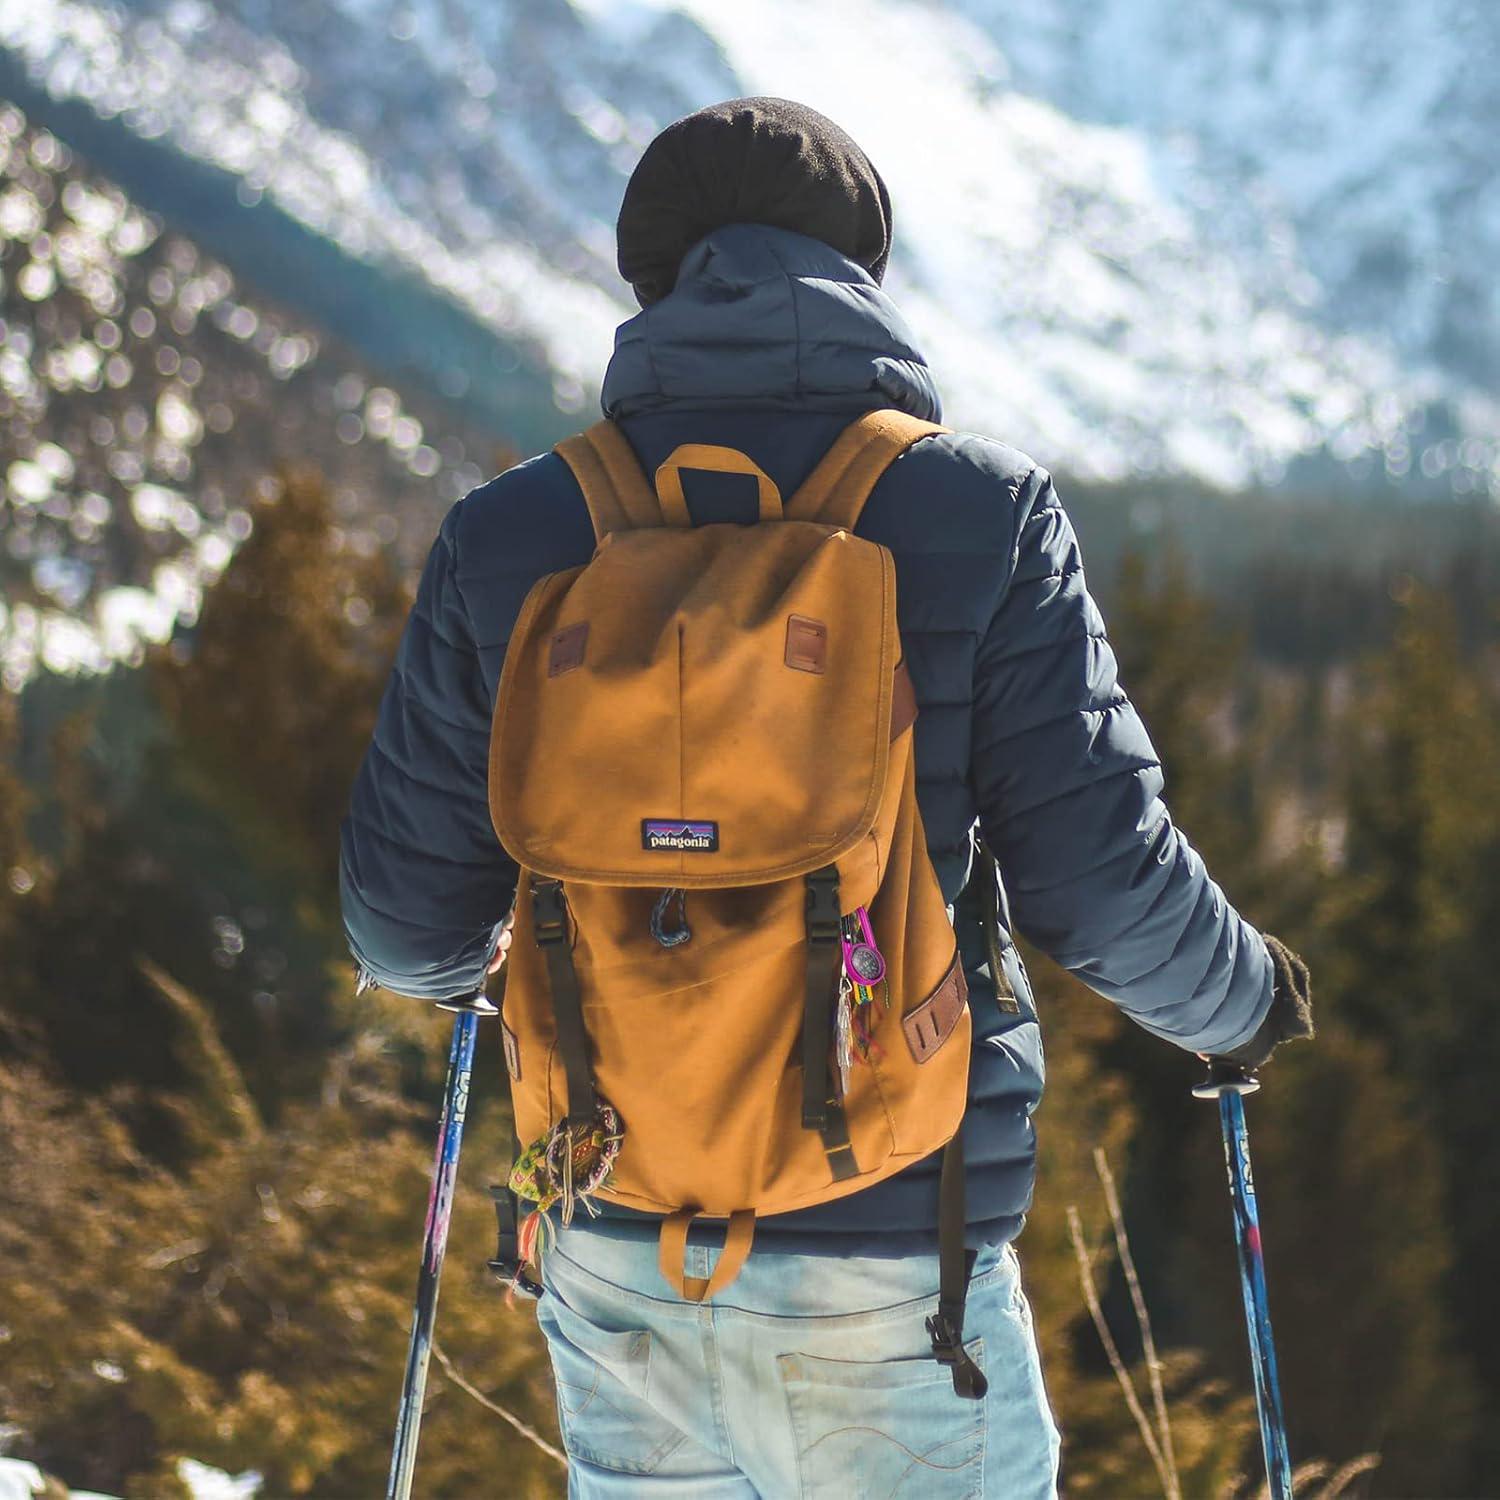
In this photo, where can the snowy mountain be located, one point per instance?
(145, 401)
(1218, 241)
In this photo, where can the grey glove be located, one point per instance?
(1290, 1015)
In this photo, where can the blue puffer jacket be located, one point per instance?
(770, 343)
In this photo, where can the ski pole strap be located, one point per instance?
(824, 950)
(955, 1267)
(549, 909)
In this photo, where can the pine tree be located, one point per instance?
(18, 868)
(274, 696)
(1242, 761)
(210, 1211)
(1415, 937)
(250, 1306)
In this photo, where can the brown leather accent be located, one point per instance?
(512, 1051)
(903, 702)
(806, 644)
(932, 1022)
(567, 649)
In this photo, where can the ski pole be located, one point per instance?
(435, 1240)
(1228, 1083)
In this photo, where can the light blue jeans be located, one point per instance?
(808, 1377)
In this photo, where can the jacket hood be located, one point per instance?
(767, 318)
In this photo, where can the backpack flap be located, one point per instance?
(698, 707)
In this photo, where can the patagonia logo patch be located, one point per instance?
(679, 833)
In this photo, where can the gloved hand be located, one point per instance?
(1290, 1015)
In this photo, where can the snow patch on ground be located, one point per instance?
(207, 1483)
(20, 1480)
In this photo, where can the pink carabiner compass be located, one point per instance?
(863, 961)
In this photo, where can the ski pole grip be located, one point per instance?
(475, 1004)
(1225, 1078)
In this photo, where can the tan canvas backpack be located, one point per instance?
(733, 987)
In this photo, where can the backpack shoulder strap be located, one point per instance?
(836, 490)
(620, 497)
(614, 486)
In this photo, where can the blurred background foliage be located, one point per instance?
(214, 1159)
(211, 1199)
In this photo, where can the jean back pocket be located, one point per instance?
(892, 1428)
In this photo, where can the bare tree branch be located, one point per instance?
(529, 1433)
(1350, 1472)
(1143, 1318)
(1091, 1297)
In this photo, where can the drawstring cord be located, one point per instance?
(682, 932)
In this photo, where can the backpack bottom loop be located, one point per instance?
(673, 1258)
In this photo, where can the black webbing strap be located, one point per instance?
(507, 1263)
(549, 909)
(955, 1267)
(837, 1146)
(990, 919)
(824, 950)
(821, 1111)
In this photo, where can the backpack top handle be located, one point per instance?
(720, 461)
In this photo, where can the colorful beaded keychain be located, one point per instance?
(863, 973)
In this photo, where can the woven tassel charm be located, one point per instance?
(568, 1166)
(843, 1034)
(866, 1049)
(568, 1198)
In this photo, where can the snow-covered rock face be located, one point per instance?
(1131, 236)
(1370, 129)
(145, 399)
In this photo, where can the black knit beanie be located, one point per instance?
(756, 161)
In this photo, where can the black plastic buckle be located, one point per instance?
(824, 920)
(513, 1274)
(506, 1262)
(549, 912)
(948, 1349)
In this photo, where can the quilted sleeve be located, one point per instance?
(423, 879)
(1069, 791)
